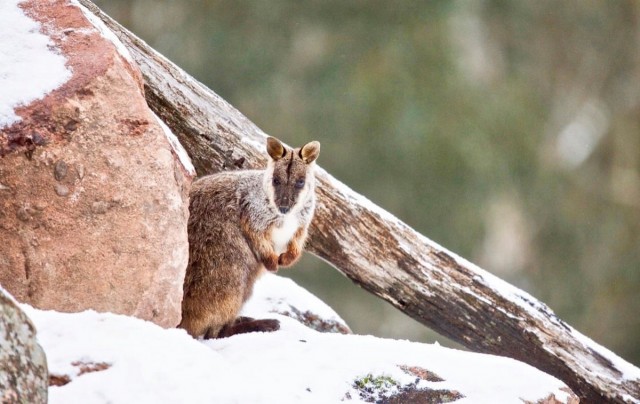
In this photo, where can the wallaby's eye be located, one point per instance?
(276, 181)
(300, 183)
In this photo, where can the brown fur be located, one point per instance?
(241, 223)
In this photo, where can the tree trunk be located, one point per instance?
(384, 255)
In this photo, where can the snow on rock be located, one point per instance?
(275, 294)
(108, 358)
(30, 66)
(104, 31)
(176, 146)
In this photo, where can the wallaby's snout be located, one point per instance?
(284, 209)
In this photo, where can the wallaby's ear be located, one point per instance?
(275, 148)
(309, 152)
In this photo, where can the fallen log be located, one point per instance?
(384, 255)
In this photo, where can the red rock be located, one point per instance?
(93, 198)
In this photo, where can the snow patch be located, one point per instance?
(104, 31)
(147, 363)
(629, 371)
(30, 65)
(276, 294)
(182, 154)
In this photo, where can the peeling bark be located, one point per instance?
(384, 255)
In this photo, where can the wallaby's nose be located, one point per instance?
(283, 209)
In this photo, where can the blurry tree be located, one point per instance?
(507, 131)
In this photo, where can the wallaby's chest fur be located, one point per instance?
(283, 232)
(240, 223)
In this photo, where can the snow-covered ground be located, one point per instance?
(111, 358)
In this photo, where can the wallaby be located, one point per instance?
(241, 223)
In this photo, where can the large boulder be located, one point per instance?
(23, 366)
(93, 187)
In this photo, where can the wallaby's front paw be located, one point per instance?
(288, 258)
(271, 263)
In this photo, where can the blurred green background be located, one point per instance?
(507, 131)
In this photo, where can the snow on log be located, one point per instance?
(384, 255)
